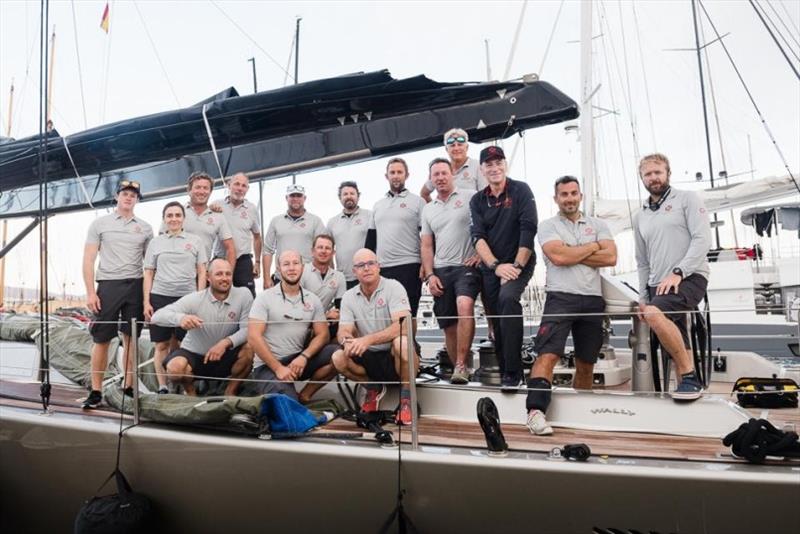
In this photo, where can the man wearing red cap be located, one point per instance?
(503, 229)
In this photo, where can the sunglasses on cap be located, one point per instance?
(129, 183)
(456, 139)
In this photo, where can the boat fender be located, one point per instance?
(489, 419)
(124, 512)
(579, 452)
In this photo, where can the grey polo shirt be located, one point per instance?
(448, 223)
(328, 288)
(287, 233)
(374, 314)
(350, 233)
(677, 234)
(210, 227)
(221, 318)
(576, 279)
(175, 258)
(243, 223)
(121, 245)
(288, 318)
(468, 177)
(397, 219)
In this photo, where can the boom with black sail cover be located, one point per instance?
(267, 135)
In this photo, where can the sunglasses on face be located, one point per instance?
(457, 139)
(365, 265)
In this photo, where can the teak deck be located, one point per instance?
(444, 433)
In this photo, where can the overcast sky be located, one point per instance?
(164, 55)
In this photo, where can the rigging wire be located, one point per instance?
(107, 66)
(764, 22)
(631, 114)
(44, 364)
(550, 39)
(778, 31)
(644, 76)
(155, 51)
(750, 96)
(255, 43)
(515, 41)
(789, 17)
(289, 61)
(80, 70)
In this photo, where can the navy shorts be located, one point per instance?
(587, 330)
(408, 276)
(458, 281)
(218, 369)
(164, 333)
(690, 292)
(379, 365)
(120, 300)
(271, 383)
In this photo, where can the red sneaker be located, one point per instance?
(372, 401)
(404, 412)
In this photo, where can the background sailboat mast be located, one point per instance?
(50, 79)
(5, 222)
(586, 125)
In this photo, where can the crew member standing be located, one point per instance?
(120, 238)
(466, 171)
(349, 229)
(203, 222)
(503, 230)
(575, 246)
(672, 237)
(242, 218)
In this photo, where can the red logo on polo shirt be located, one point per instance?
(210, 220)
(459, 203)
(302, 225)
(668, 208)
(188, 246)
(357, 222)
(381, 303)
(589, 230)
(333, 284)
(307, 306)
(244, 215)
(231, 315)
(466, 174)
(402, 204)
(137, 229)
(702, 210)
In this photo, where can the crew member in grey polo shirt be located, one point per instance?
(394, 233)
(449, 262)
(216, 323)
(174, 266)
(120, 239)
(466, 170)
(672, 237)
(242, 218)
(293, 230)
(203, 222)
(375, 348)
(575, 246)
(280, 322)
(324, 281)
(349, 229)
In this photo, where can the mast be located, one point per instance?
(5, 222)
(715, 224)
(296, 64)
(49, 121)
(586, 125)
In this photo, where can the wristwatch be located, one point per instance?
(518, 265)
(494, 264)
(427, 277)
(678, 271)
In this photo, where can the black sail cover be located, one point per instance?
(268, 135)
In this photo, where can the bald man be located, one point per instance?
(374, 347)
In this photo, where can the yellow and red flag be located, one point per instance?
(105, 20)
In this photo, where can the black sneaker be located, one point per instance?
(689, 389)
(510, 382)
(128, 391)
(93, 400)
(163, 390)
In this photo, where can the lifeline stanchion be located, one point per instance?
(412, 379)
(133, 346)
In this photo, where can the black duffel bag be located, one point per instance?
(124, 512)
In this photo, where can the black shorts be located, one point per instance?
(379, 365)
(587, 330)
(243, 273)
(218, 369)
(120, 300)
(690, 292)
(270, 382)
(163, 333)
(408, 276)
(458, 281)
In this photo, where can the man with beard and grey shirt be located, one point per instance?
(672, 236)
(394, 233)
(282, 319)
(242, 218)
(449, 262)
(203, 222)
(574, 246)
(293, 230)
(324, 281)
(349, 229)
(466, 171)
(215, 321)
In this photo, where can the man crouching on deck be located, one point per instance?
(370, 334)
(575, 246)
(216, 323)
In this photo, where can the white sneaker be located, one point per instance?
(537, 424)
